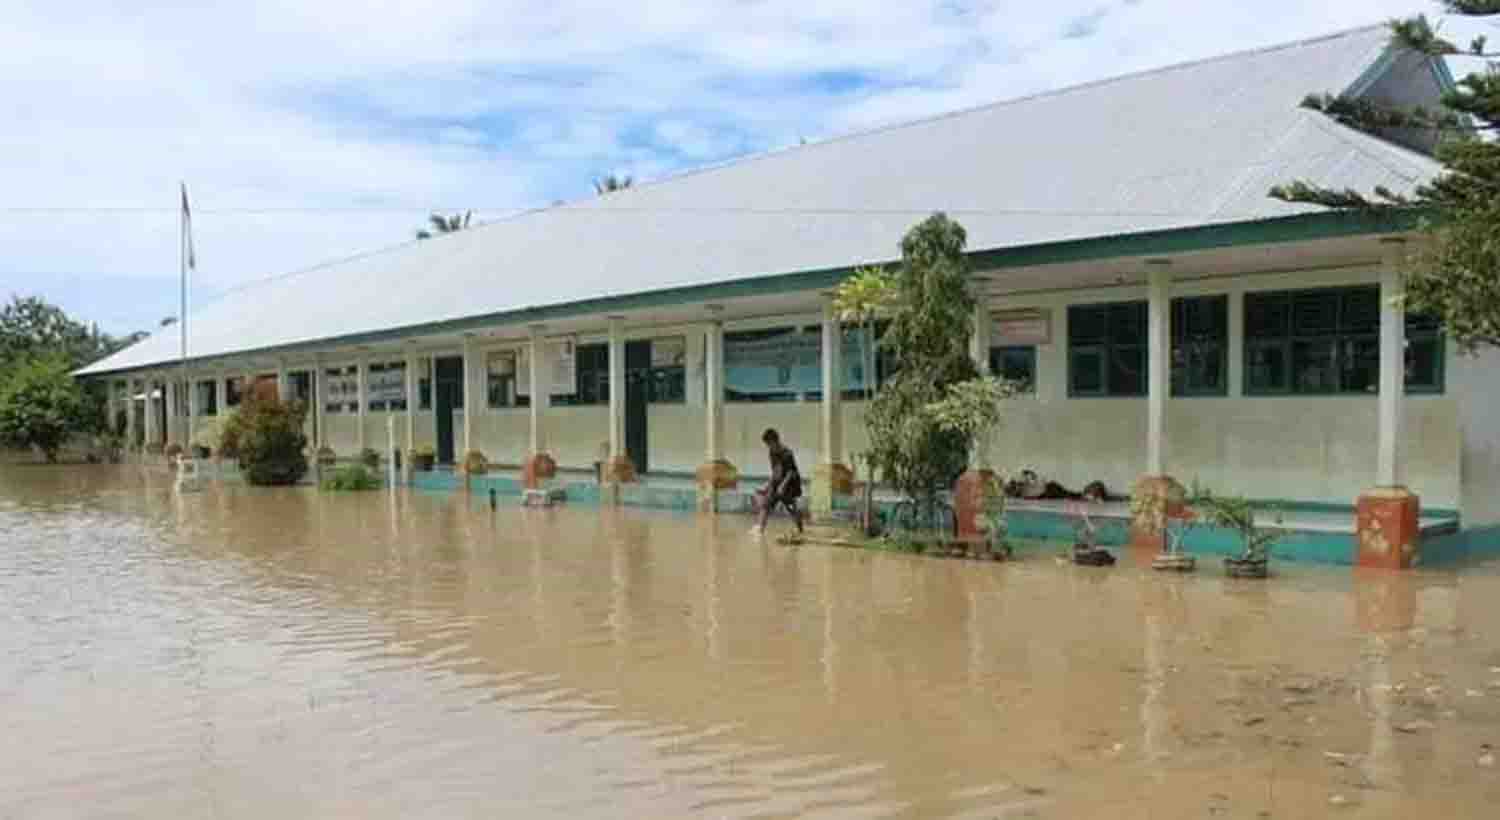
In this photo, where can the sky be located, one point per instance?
(311, 131)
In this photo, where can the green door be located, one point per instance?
(637, 393)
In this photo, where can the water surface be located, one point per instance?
(283, 653)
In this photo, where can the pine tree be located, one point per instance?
(1456, 275)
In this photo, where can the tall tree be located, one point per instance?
(1456, 275)
(445, 224)
(929, 413)
(610, 183)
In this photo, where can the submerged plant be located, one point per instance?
(1236, 513)
(351, 477)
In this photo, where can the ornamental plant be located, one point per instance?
(936, 405)
(271, 441)
(41, 406)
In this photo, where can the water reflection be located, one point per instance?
(241, 653)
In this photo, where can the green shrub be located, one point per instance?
(41, 405)
(351, 477)
(231, 430)
(269, 441)
(369, 458)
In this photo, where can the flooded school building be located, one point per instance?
(1170, 318)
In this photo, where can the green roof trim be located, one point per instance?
(1296, 228)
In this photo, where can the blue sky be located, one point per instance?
(312, 131)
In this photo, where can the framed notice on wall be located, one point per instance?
(1021, 328)
(562, 362)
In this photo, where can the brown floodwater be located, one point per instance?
(253, 653)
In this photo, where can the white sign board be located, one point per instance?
(386, 385)
(561, 361)
(1021, 328)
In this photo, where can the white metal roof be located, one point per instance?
(1190, 145)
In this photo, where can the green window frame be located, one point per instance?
(1107, 350)
(1326, 342)
(1200, 346)
(1015, 363)
(590, 377)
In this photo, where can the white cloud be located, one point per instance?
(380, 104)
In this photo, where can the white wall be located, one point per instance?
(1474, 383)
(1310, 448)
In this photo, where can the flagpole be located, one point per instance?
(182, 318)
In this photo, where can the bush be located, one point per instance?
(231, 431)
(269, 441)
(351, 477)
(41, 405)
(369, 458)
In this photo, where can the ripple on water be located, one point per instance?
(244, 653)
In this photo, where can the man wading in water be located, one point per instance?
(785, 486)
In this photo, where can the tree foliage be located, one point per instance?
(41, 405)
(609, 183)
(927, 416)
(30, 327)
(1455, 274)
(440, 224)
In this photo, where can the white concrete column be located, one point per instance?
(193, 409)
(169, 402)
(151, 436)
(411, 404)
(221, 392)
(318, 398)
(979, 351)
(541, 386)
(1392, 364)
(1236, 343)
(283, 392)
(616, 388)
(129, 413)
(1158, 365)
(833, 409)
(360, 369)
(713, 380)
(471, 396)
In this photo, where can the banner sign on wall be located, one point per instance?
(563, 363)
(341, 386)
(788, 361)
(1021, 328)
(388, 384)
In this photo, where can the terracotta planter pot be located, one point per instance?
(1174, 562)
(1085, 556)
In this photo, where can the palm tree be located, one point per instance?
(445, 224)
(611, 183)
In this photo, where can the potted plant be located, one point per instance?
(369, 458)
(993, 513)
(1235, 513)
(326, 457)
(422, 457)
(1086, 549)
(475, 463)
(1179, 522)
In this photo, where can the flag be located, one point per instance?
(187, 229)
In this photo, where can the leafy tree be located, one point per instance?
(610, 183)
(445, 224)
(41, 405)
(1456, 275)
(926, 417)
(860, 300)
(270, 442)
(31, 327)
